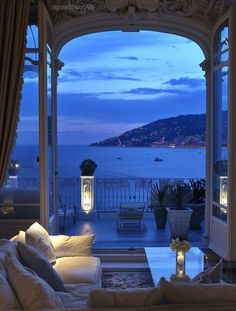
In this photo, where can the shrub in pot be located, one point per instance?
(179, 215)
(197, 202)
(158, 194)
(88, 167)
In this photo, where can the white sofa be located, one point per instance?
(80, 276)
(73, 266)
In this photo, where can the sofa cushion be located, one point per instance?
(76, 296)
(66, 246)
(19, 237)
(8, 247)
(74, 270)
(196, 292)
(32, 292)
(32, 258)
(103, 298)
(8, 300)
(211, 275)
(38, 237)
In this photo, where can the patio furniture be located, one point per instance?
(66, 214)
(130, 216)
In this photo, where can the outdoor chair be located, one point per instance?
(66, 214)
(130, 216)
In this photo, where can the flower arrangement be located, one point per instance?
(178, 245)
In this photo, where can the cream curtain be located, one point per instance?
(13, 25)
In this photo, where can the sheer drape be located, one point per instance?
(13, 25)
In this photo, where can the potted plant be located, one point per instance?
(158, 194)
(179, 215)
(197, 202)
(88, 167)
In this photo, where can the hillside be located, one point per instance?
(182, 131)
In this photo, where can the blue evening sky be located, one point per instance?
(115, 81)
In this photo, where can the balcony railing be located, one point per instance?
(108, 192)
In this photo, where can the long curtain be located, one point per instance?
(14, 16)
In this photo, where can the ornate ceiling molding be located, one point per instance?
(130, 10)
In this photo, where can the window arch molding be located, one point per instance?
(94, 23)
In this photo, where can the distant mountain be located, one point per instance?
(181, 131)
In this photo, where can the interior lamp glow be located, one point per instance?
(12, 174)
(87, 193)
(180, 263)
(87, 167)
(224, 190)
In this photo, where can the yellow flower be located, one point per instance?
(180, 245)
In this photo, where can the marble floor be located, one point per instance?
(104, 227)
(108, 237)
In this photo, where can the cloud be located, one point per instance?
(72, 75)
(138, 58)
(72, 72)
(152, 91)
(104, 75)
(193, 82)
(152, 59)
(128, 57)
(69, 75)
(113, 77)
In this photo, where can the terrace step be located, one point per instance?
(122, 258)
(125, 266)
(124, 250)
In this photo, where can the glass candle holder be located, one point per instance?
(180, 263)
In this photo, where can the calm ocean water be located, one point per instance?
(119, 161)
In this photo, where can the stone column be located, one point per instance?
(56, 67)
(206, 66)
(231, 221)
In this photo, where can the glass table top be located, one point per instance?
(162, 262)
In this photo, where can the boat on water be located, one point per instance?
(157, 159)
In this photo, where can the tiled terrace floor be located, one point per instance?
(105, 229)
(107, 237)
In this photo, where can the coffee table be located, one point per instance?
(162, 262)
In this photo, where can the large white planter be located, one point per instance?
(179, 222)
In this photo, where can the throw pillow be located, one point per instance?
(80, 245)
(129, 298)
(38, 237)
(8, 300)
(19, 237)
(32, 292)
(32, 258)
(189, 293)
(211, 275)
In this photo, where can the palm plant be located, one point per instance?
(197, 190)
(158, 194)
(178, 194)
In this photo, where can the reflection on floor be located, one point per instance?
(104, 227)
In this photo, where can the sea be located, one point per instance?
(118, 162)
